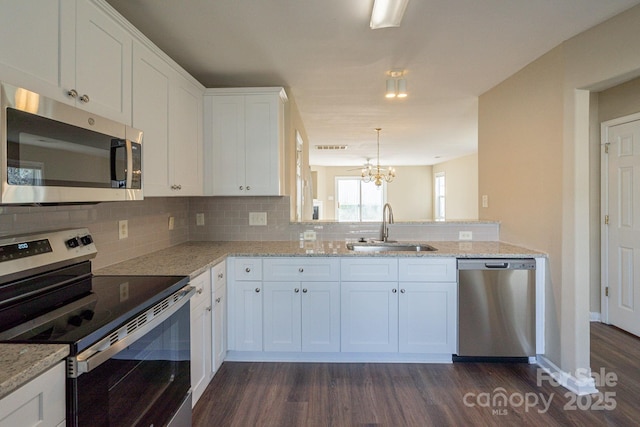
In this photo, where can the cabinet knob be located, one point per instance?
(218, 300)
(257, 289)
(220, 276)
(199, 291)
(304, 290)
(176, 187)
(301, 270)
(248, 270)
(296, 290)
(402, 291)
(209, 308)
(84, 99)
(394, 291)
(248, 188)
(73, 93)
(241, 187)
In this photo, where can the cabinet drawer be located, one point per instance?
(202, 283)
(301, 269)
(248, 269)
(218, 275)
(369, 269)
(427, 269)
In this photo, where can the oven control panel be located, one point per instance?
(19, 254)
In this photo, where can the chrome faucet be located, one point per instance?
(387, 218)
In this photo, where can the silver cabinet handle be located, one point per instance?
(176, 187)
(248, 270)
(301, 270)
(394, 290)
(218, 300)
(84, 99)
(248, 188)
(73, 93)
(296, 290)
(257, 289)
(241, 187)
(304, 291)
(402, 291)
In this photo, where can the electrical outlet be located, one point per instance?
(172, 222)
(123, 229)
(200, 219)
(124, 291)
(309, 235)
(485, 201)
(257, 218)
(465, 235)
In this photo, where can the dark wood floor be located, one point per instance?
(459, 394)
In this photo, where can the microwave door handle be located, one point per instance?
(116, 145)
(93, 357)
(129, 183)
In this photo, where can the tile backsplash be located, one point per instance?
(225, 219)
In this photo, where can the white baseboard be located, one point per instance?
(580, 386)
(595, 317)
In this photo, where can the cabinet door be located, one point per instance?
(40, 402)
(33, 32)
(227, 146)
(247, 316)
(262, 150)
(369, 315)
(282, 316)
(201, 364)
(102, 64)
(151, 83)
(427, 316)
(320, 316)
(219, 327)
(185, 138)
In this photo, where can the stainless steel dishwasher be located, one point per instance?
(496, 308)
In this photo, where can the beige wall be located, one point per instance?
(410, 194)
(461, 181)
(534, 164)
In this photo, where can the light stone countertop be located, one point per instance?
(193, 258)
(20, 363)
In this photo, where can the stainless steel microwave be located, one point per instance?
(54, 153)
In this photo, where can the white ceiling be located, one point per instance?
(334, 66)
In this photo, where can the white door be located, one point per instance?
(621, 237)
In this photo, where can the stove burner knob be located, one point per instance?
(87, 314)
(73, 243)
(86, 240)
(75, 320)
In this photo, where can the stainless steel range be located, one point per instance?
(128, 336)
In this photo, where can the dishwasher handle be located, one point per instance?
(496, 264)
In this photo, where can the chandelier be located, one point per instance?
(377, 174)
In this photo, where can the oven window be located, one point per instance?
(144, 384)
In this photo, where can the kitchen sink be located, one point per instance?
(389, 247)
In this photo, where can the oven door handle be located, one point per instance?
(129, 333)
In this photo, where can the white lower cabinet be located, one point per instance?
(219, 316)
(351, 307)
(40, 402)
(201, 339)
(369, 317)
(302, 316)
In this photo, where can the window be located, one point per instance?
(440, 196)
(358, 201)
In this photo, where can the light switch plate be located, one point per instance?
(257, 218)
(200, 219)
(309, 235)
(172, 222)
(485, 201)
(123, 229)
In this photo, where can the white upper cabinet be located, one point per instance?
(168, 109)
(244, 141)
(69, 50)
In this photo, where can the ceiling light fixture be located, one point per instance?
(396, 85)
(387, 13)
(377, 174)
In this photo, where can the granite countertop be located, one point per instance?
(193, 258)
(20, 363)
